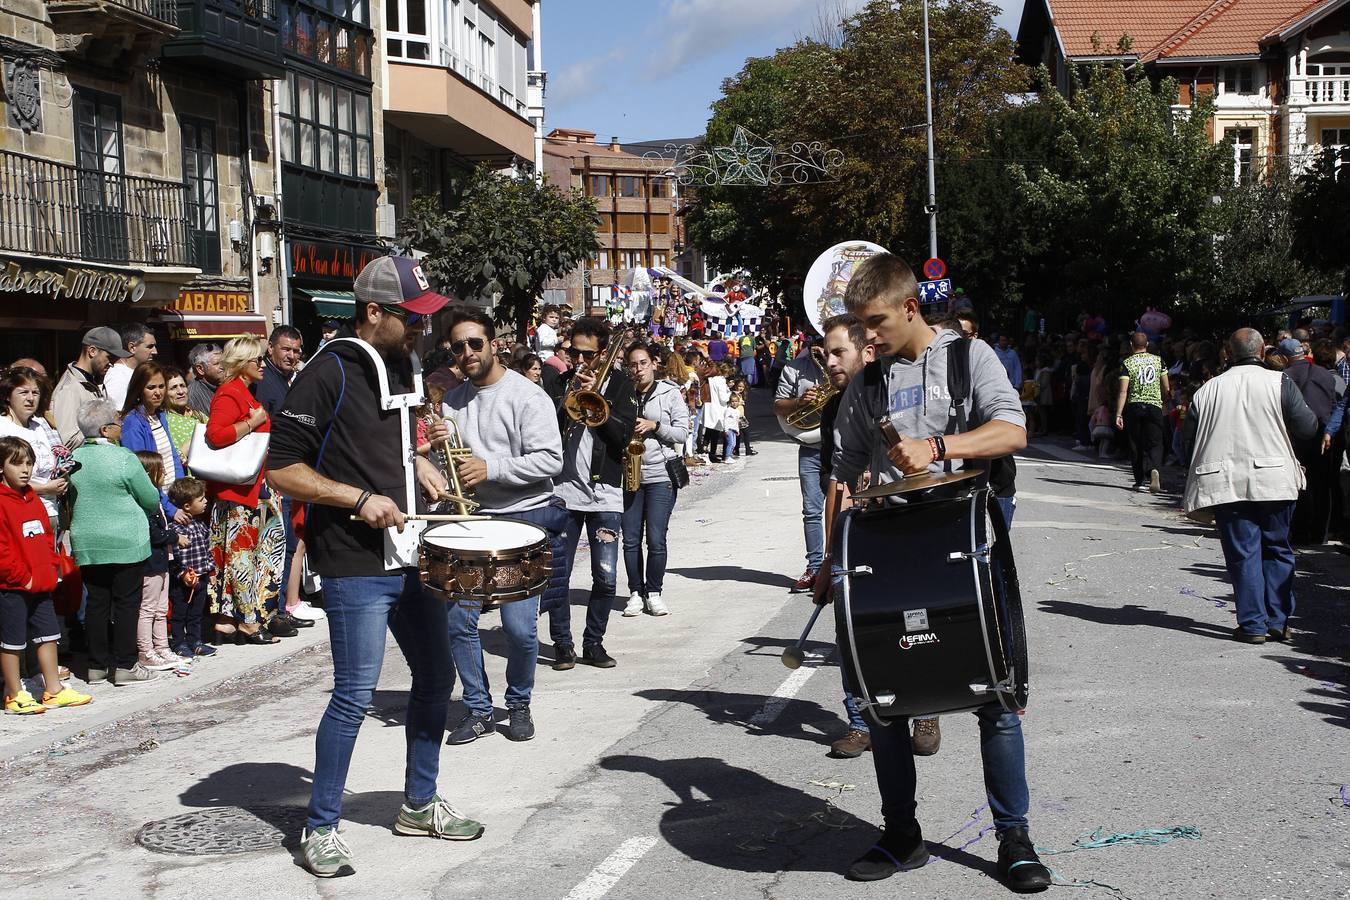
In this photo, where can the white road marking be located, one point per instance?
(774, 706)
(1067, 464)
(616, 865)
(1022, 524)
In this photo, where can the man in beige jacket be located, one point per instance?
(1242, 425)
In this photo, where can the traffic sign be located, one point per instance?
(934, 270)
(937, 291)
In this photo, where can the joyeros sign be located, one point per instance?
(72, 283)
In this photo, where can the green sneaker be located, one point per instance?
(437, 819)
(326, 853)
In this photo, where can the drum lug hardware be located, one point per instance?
(982, 555)
(885, 700)
(856, 571)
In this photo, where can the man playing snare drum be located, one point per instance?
(508, 422)
(909, 385)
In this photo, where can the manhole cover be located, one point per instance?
(780, 478)
(226, 829)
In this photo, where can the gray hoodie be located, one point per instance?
(920, 405)
(666, 407)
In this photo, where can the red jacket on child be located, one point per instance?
(27, 546)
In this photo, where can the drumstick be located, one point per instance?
(435, 518)
(794, 656)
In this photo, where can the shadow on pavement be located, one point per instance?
(735, 573)
(766, 646)
(738, 709)
(1133, 614)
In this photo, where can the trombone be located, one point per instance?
(589, 407)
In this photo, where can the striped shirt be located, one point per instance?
(163, 446)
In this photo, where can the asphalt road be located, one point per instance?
(698, 767)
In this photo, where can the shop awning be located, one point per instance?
(331, 304)
(191, 327)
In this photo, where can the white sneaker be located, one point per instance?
(156, 663)
(634, 607)
(308, 613)
(656, 606)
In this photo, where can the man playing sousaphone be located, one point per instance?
(798, 389)
(907, 387)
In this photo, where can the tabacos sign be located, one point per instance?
(323, 260)
(72, 283)
(189, 301)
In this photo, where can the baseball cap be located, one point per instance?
(1291, 347)
(105, 338)
(398, 281)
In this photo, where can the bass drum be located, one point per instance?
(930, 617)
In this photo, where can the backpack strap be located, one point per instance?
(958, 384)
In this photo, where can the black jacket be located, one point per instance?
(162, 542)
(271, 391)
(1318, 387)
(333, 408)
(610, 444)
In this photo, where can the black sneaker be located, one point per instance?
(470, 729)
(293, 621)
(520, 727)
(564, 657)
(897, 851)
(280, 628)
(1019, 868)
(595, 655)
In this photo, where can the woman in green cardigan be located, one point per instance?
(110, 535)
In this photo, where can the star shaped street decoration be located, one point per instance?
(748, 160)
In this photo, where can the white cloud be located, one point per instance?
(583, 79)
(690, 29)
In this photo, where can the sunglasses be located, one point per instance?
(398, 312)
(474, 344)
(587, 355)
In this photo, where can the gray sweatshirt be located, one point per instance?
(512, 426)
(666, 407)
(919, 406)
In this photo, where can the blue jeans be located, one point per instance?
(1255, 540)
(520, 624)
(292, 541)
(602, 530)
(553, 518)
(813, 504)
(1009, 506)
(1005, 776)
(359, 610)
(730, 445)
(648, 509)
(855, 719)
(749, 371)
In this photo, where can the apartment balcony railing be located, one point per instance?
(56, 209)
(113, 16)
(1327, 88)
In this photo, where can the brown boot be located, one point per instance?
(927, 737)
(851, 745)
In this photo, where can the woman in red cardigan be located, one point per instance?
(247, 538)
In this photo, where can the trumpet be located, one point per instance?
(632, 466)
(808, 417)
(589, 407)
(445, 455)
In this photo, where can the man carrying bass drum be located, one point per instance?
(912, 363)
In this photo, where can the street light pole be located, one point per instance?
(932, 175)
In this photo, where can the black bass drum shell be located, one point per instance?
(937, 625)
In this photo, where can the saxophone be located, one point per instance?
(632, 466)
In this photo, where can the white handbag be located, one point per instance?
(239, 463)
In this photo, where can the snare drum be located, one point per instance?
(930, 617)
(485, 562)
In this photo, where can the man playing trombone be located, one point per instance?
(507, 421)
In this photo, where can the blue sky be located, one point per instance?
(649, 69)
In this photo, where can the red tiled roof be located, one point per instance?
(1147, 22)
(1173, 28)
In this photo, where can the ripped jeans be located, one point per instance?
(602, 530)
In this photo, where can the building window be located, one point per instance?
(329, 40)
(1244, 142)
(600, 186)
(630, 186)
(660, 188)
(408, 34)
(660, 223)
(606, 225)
(487, 56)
(630, 259)
(659, 260)
(1239, 80)
(631, 223)
(326, 127)
(199, 173)
(98, 155)
(1328, 83)
(602, 260)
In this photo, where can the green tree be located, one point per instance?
(862, 93)
(1321, 222)
(1124, 199)
(499, 238)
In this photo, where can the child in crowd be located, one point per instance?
(152, 628)
(28, 575)
(193, 566)
(1045, 391)
(1028, 395)
(731, 423)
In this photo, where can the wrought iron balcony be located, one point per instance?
(56, 209)
(239, 38)
(113, 16)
